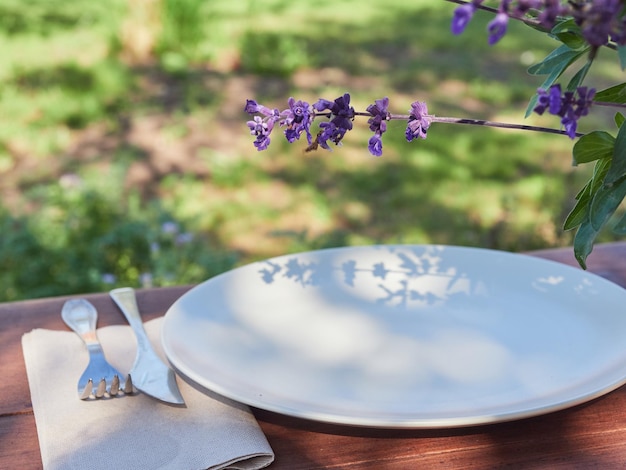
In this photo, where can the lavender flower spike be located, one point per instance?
(419, 121)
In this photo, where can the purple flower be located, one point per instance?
(570, 124)
(380, 115)
(375, 145)
(462, 17)
(184, 238)
(552, 9)
(599, 20)
(497, 27)
(584, 101)
(522, 7)
(566, 105)
(261, 127)
(169, 227)
(341, 116)
(297, 119)
(550, 100)
(252, 107)
(419, 121)
(342, 113)
(330, 132)
(378, 124)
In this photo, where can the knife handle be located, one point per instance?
(125, 299)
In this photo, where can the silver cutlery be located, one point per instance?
(81, 316)
(149, 373)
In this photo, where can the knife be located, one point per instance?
(149, 373)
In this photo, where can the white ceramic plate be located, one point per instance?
(405, 336)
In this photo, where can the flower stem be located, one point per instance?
(502, 125)
(473, 122)
(528, 21)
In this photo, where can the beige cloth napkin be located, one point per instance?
(136, 431)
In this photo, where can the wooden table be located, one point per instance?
(588, 436)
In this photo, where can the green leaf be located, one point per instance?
(614, 94)
(579, 77)
(619, 119)
(569, 33)
(605, 202)
(580, 211)
(618, 164)
(559, 59)
(583, 243)
(599, 173)
(620, 226)
(593, 146)
(621, 53)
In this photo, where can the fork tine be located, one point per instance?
(87, 391)
(102, 388)
(115, 386)
(128, 386)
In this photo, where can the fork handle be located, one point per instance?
(125, 299)
(81, 316)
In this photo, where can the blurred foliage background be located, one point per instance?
(125, 158)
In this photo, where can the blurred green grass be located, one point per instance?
(119, 118)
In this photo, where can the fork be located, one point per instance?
(81, 316)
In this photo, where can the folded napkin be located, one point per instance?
(133, 431)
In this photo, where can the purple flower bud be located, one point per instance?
(253, 107)
(462, 17)
(419, 121)
(322, 105)
(375, 145)
(497, 28)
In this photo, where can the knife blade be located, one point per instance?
(149, 373)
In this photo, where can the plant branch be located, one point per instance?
(502, 125)
(528, 21)
(473, 122)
